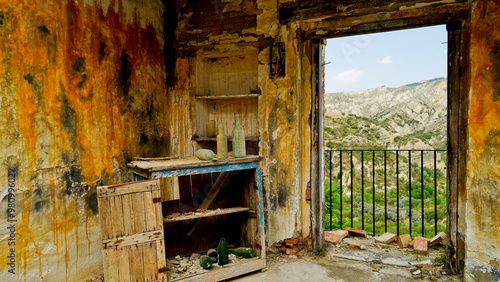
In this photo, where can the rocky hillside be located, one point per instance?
(408, 117)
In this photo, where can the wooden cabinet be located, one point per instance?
(236, 212)
(227, 84)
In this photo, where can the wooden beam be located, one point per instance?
(208, 200)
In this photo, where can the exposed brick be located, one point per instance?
(354, 231)
(308, 194)
(404, 240)
(420, 245)
(386, 238)
(335, 236)
(437, 239)
(292, 241)
(292, 250)
(354, 244)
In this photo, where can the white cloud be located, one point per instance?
(387, 60)
(347, 77)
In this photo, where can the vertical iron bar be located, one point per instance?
(352, 171)
(435, 196)
(409, 186)
(397, 191)
(373, 189)
(422, 192)
(362, 190)
(385, 190)
(340, 190)
(331, 207)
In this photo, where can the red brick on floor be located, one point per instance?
(292, 241)
(354, 244)
(354, 231)
(420, 245)
(404, 240)
(335, 236)
(292, 250)
(441, 237)
(386, 238)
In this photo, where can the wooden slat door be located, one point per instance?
(132, 231)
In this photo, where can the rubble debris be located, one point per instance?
(404, 240)
(386, 238)
(292, 241)
(441, 237)
(174, 215)
(335, 236)
(420, 245)
(354, 231)
(354, 244)
(194, 256)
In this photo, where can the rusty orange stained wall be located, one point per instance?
(81, 92)
(482, 199)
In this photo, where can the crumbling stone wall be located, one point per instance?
(82, 91)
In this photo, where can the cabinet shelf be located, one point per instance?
(214, 139)
(207, 213)
(228, 97)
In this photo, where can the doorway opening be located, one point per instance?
(385, 133)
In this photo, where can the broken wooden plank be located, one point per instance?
(189, 162)
(132, 239)
(124, 264)
(207, 213)
(228, 271)
(105, 217)
(155, 159)
(208, 200)
(110, 265)
(128, 188)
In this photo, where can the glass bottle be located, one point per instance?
(239, 150)
(221, 143)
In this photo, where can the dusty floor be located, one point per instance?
(343, 263)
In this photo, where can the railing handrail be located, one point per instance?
(350, 169)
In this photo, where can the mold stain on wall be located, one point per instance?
(82, 91)
(483, 193)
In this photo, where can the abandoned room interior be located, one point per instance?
(89, 89)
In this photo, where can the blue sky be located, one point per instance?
(391, 58)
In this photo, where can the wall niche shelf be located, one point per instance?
(227, 84)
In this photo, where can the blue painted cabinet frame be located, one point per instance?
(229, 272)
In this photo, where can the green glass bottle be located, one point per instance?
(223, 253)
(221, 143)
(243, 252)
(206, 262)
(239, 150)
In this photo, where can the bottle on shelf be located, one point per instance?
(222, 251)
(221, 143)
(239, 150)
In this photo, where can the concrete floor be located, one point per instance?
(311, 268)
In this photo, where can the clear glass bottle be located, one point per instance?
(221, 143)
(239, 150)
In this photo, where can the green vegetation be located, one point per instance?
(366, 196)
(369, 185)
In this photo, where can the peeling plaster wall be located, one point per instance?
(207, 27)
(482, 216)
(82, 91)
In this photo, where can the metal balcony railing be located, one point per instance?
(400, 191)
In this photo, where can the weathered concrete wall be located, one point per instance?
(482, 240)
(82, 91)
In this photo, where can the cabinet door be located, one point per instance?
(132, 231)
